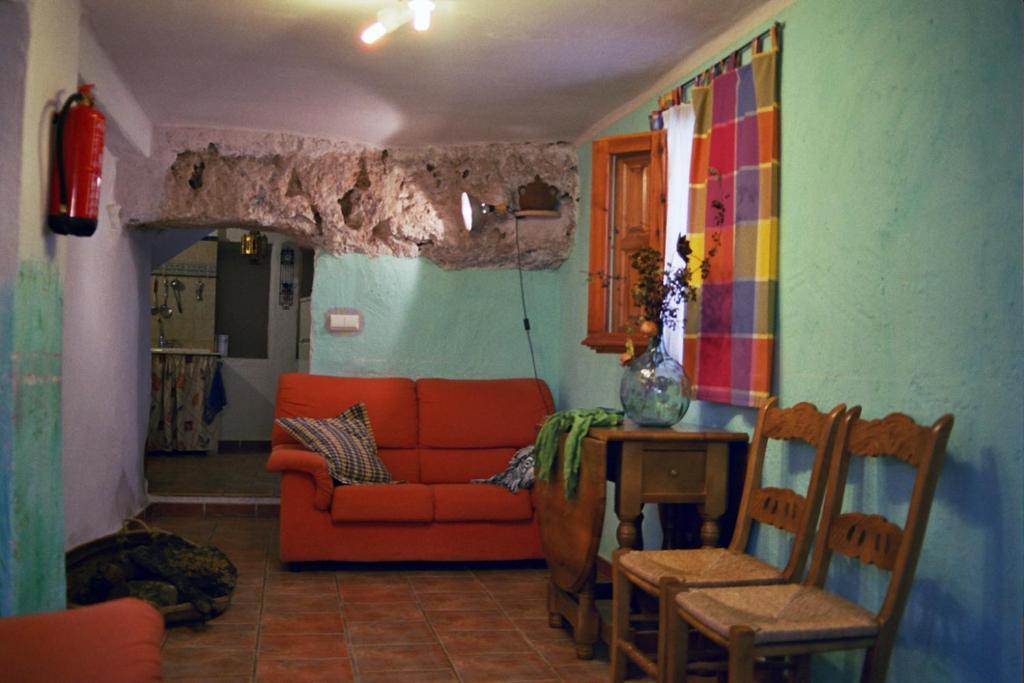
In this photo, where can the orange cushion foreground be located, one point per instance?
(112, 642)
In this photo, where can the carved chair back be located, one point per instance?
(785, 508)
(873, 539)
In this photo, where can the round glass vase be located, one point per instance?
(655, 391)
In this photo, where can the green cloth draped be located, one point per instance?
(577, 422)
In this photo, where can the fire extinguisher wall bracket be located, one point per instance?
(77, 166)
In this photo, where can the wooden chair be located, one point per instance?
(661, 572)
(792, 621)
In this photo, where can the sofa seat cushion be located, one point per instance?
(458, 466)
(480, 503)
(480, 413)
(383, 503)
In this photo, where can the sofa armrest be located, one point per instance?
(113, 642)
(285, 458)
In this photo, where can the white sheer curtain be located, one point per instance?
(678, 122)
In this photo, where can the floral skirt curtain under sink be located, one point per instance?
(186, 398)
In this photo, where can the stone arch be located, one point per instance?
(350, 198)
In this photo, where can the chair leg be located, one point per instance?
(741, 654)
(876, 664)
(673, 638)
(668, 648)
(622, 594)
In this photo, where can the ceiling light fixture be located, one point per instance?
(390, 18)
(373, 33)
(255, 245)
(421, 10)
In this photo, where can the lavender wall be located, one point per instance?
(106, 385)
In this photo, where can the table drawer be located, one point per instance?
(673, 472)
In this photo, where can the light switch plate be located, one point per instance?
(343, 321)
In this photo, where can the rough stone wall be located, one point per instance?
(348, 197)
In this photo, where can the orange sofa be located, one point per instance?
(434, 435)
(111, 642)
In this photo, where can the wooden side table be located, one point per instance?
(683, 464)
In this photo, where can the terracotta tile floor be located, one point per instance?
(376, 624)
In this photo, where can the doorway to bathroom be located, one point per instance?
(229, 314)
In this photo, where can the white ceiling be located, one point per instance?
(486, 71)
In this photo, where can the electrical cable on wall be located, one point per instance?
(526, 322)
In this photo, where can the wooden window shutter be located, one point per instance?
(627, 211)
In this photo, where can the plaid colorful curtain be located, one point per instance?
(730, 330)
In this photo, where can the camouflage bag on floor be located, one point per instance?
(159, 567)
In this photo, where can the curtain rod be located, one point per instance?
(675, 95)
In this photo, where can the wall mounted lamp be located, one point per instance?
(535, 199)
(473, 211)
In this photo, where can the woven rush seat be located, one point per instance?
(779, 613)
(700, 567)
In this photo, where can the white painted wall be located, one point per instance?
(50, 79)
(105, 392)
(125, 117)
(13, 56)
(105, 395)
(251, 383)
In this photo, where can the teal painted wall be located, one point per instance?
(899, 289)
(31, 300)
(7, 535)
(31, 513)
(37, 492)
(422, 321)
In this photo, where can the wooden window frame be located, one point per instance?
(604, 150)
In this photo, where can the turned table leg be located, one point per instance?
(715, 486)
(628, 497)
(587, 623)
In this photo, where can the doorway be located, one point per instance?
(229, 315)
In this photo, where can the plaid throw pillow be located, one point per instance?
(346, 442)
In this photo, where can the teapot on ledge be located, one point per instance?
(537, 196)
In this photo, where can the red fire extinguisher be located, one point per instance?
(77, 165)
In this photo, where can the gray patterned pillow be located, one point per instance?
(346, 442)
(518, 474)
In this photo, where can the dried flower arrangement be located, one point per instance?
(661, 293)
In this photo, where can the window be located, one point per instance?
(627, 212)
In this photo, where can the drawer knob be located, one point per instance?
(673, 472)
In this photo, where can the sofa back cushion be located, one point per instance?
(480, 413)
(390, 403)
(459, 465)
(402, 463)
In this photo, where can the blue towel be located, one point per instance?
(217, 398)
